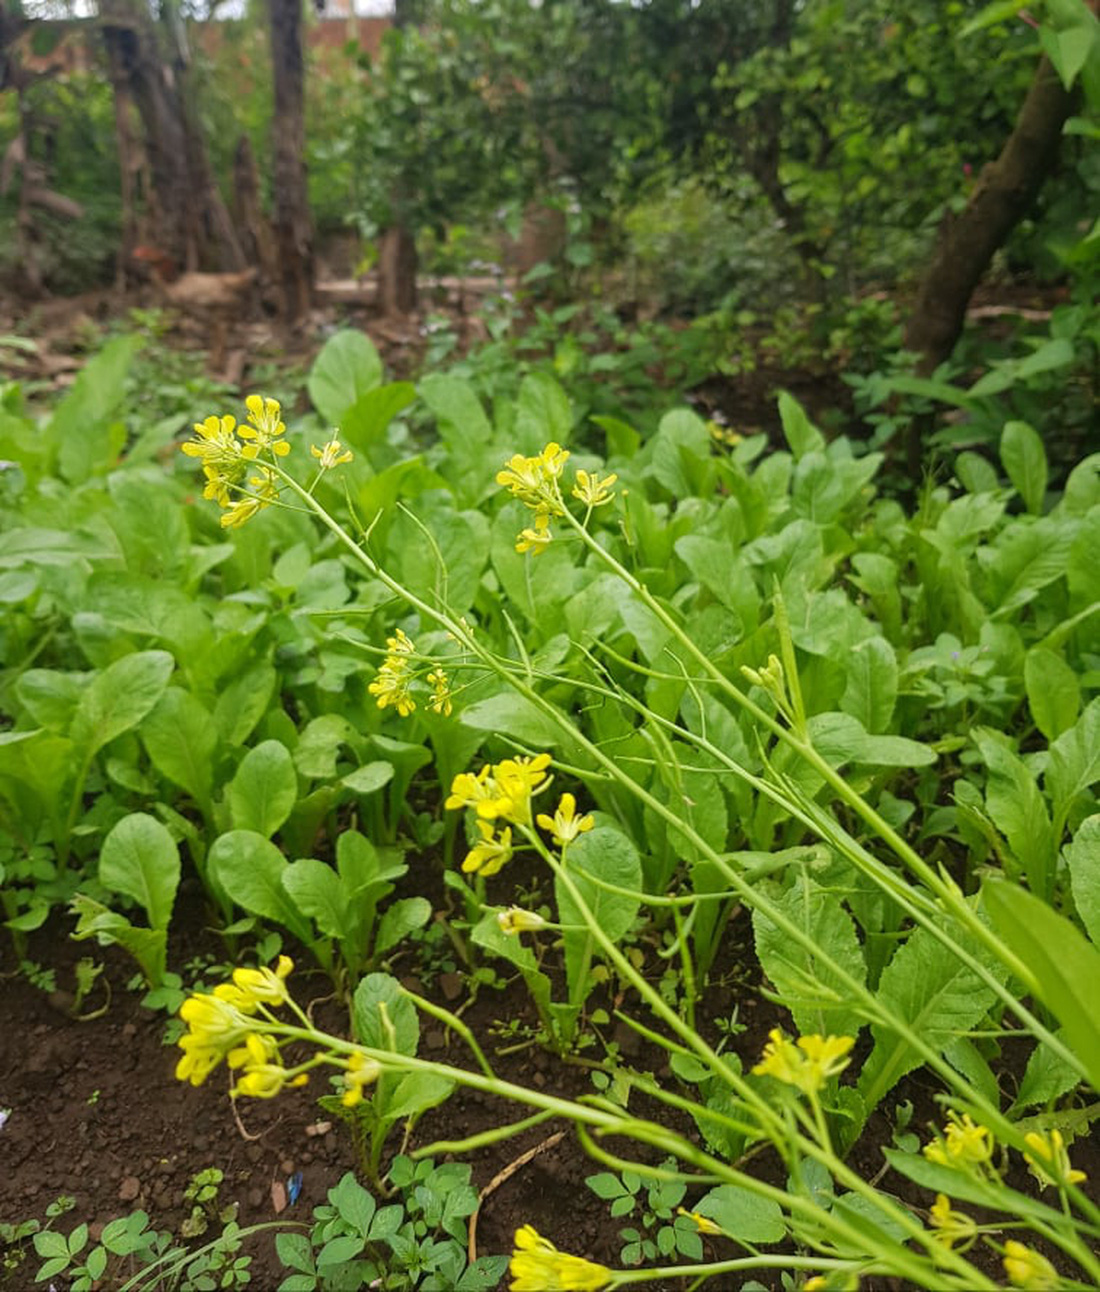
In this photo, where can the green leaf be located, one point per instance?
(364, 424)
(50, 1244)
(384, 1017)
(799, 431)
(147, 946)
(817, 999)
(345, 370)
(1017, 809)
(181, 737)
(744, 1214)
(369, 778)
(512, 715)
(51, 697)
(928, 988)
(140, 860)
(399, 920)
(338, 1250)
(354, 1203)
(1053, 693)
(85, 430)
(1046, 1078)
(250, 869)
(872, 686)
(319, 744)
(1025, 461)
(462, 420)
(543, 413)
(414, 1094)
(243, 702)
(119, 697)
(1083, 859)
(316, 890)
(264, 790)
(1074, 764)
(1064, 968)
(609, 856)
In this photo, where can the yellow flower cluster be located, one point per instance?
(1049, 1161)
(503, 793)
(952, 1226)
(226, 450)
(235, 1023)
(398, 671)
(538, 1266)
(963, 1144)
(1029, 1269)
(806, 1065)
(223, 1025)
(536, 482)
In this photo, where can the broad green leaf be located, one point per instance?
(609, 856)
(119, 697)
(1083, 859)
(399, 920)
(1017, 809)
(1074, 762)
(815, 995)
(414, 1094)
(1064, 968)
(383, 1016)
(319, 744)
(743, 1213)
(1053, 693)
(316, 890)
(681, 459)
(841, 739)
(872, 685)
(354, 1203)
(263, 792)
(369, 778)
(147, 946)
(346, 369)
(85, 430)
(364, 424)
(800, 433)
(938, 998)
(250, 869)
(50, 697)
(140, 860)
(512, 715)
(243, 702)
(1047, 1077)
(457, 409)
(181, 737)
(543, 414)
(1025, 462)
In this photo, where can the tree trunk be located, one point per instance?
(186, 210)
(253, 226)
(397, 258)
(293, 226)
(1002, 196)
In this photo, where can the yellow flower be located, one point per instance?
(263, 1077)
(214, 1027)
(807, 1065)
(361, 1072)
(266, 426)
(478, 792)
(517, 779)
(216, 443)
(441, 693)
(332, 455)
(252, 987)
(1051, 1148)
(565, 825)
(534, 481)
(516, 920)
(838, 1281)
(243, 509)
(963, 1143)
(593, 491)
(1028, 1269)
(538, 1266)
(488, 856)
(951, 1226)
(391, 685)
(702, 1223)
(536, 540)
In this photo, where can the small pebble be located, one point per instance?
(129, 1189)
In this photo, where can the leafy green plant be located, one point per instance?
(416, 1239)
(662, 1227)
